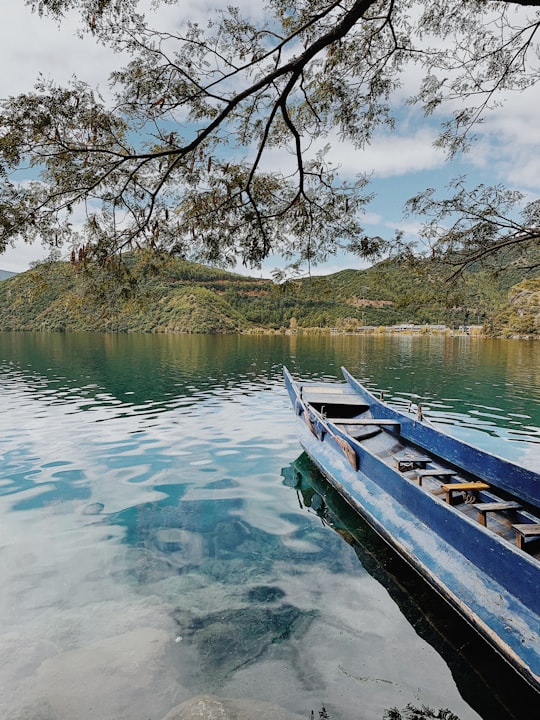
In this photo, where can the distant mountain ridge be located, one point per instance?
(5, 274)
(170, 295)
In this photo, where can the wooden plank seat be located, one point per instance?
(485, 508)
(330, 396)
(363, 421)
(433, 472)
(452, 488)
(363, 432)
(526, 530)
(411, 461)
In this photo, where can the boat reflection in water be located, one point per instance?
(486, 682)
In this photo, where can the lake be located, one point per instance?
(162, 537)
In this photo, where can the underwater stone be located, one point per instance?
(231, 534)
(231, 639)
(265, 593)
(211, 707)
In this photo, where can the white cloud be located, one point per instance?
(509, 144)
(392, 154)
(19, 258)
(410, 228)
(388, 154)
(30, 45)
(371, 218)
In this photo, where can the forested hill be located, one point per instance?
(173, 295)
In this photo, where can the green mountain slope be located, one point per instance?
(172, 295)
(521, 315)
(60, 296)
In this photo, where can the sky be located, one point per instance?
(400, 164)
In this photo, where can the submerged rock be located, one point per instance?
(210, 707)
(38, 710)
(265, 593)
(106, 679)
(231, 639)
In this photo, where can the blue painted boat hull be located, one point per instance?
(491, 582)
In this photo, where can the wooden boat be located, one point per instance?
(468, 521)
(490, 687)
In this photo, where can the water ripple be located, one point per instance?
(142, 501)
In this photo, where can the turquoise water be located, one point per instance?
(159, 537)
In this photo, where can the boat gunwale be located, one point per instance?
(509, 477)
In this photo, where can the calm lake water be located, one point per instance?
(162, 536)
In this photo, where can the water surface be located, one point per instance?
(154, 547)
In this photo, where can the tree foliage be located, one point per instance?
(212, 142)
(491, 226)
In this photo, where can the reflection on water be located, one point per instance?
(151, 552)
(456, 377)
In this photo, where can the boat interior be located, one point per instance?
(499, 512)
